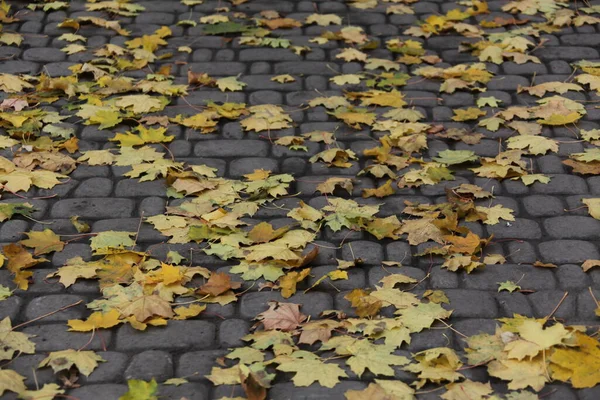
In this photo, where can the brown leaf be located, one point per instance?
(218, 283)
(588, 264)
(584, 168)
(264, 232)
(366, 305)
(282, 316)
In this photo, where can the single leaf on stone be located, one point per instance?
(593, 206)
(382, 191)
(85, 361)
(589, 264)
(452, 157)
(7, 210)
(525, 128)
(489, 101)
(5, 293)
(436, 365)
(230, 83)
(146, 307)
(376, 392)
(97, 157)
(141, 103)
(581, 363)
(376, 358)
(217, 284)
(97, 320)
(12, 341)
(141, 390)
(351, 54)
(509, 286)
(288, 282)
(346, 79)
(106, 241)
(534, 144)
(11, 381)
(286, 78)
(556, 87)
(309, 368)
(324, 19)
(468, 390)
(530, 179)
(495, 213)
(282, 316)
(520, 374)
(467, 114)
(48, 391)
(422, 230)
(328, 186)
(43, 242)
(191, 311)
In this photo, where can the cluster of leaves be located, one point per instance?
(369, 343)
(141, 290)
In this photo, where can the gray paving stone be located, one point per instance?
(472, 303)
(572, 227)
(370, 253)
(520, 228)
(491, 276)
(312, 302)
(586, 306)
(243, 166)
(94, 187)
(55, 337)
(441, 278)
(513, 303)
(568, 251)
(544, 302)
(43, 55)
(219, 68)
(12, 231)
(27, 366)
(231, 332)
(177, 335)
(134, 188)
(93, 208)
(150, 364)
(283, 391)
(562, 184)
(543, 206)
(45, 304)
(232, 148)
(10, 307)
(110, 371)
(190, 391)
(196, 365)
(99, 392)
(356, 278)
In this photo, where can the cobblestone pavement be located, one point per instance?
(543, 230)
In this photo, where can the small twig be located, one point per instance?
(557, 306)
(46, 315)
(593, 296)
(451, 328)
(89, 341)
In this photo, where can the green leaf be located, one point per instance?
(141, 390)
(223, 28)
(509, 286)
(490, 101)
(7, 210)
(451, 157)
(103, 242)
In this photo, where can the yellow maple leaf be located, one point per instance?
(95, 321)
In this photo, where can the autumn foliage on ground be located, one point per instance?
(146, 292)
